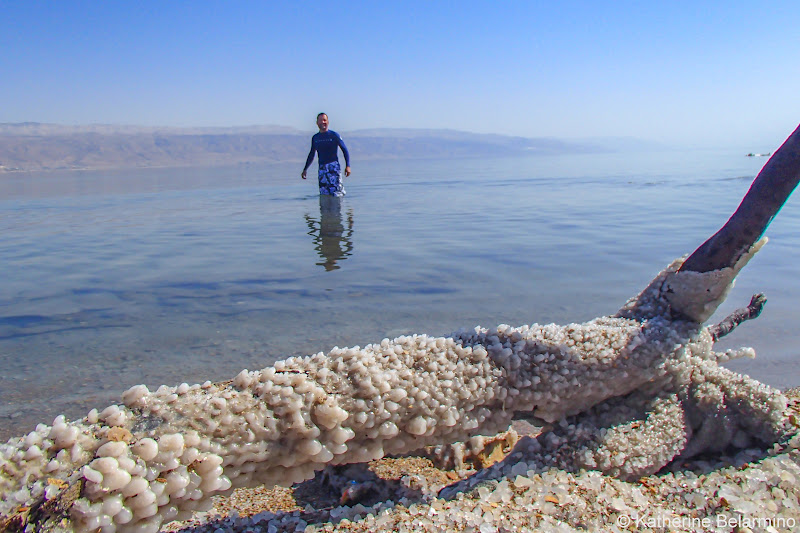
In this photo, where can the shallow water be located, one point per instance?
(111, 279)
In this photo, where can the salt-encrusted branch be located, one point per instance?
(706, 276)
(753, 310)
(766, 196)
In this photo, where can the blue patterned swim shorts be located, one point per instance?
(330, 180)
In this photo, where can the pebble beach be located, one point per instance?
(753, 490)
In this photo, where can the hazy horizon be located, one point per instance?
(34, 146)
(608, 142)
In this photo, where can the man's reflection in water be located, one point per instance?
(332, 240)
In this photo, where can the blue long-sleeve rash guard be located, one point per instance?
(326, 146)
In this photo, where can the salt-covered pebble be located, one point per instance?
(145, 448)
(112, 449)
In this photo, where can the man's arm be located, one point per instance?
(309, 159)
(346, 155)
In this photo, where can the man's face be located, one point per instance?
(322, 123)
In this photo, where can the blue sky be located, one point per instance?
(690, 72)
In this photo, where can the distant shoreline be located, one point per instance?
(33, 147)
(8, 171)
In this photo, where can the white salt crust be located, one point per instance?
(683, 288)
(162, 455)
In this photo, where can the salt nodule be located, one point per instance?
(627, 395)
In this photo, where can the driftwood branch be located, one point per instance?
(766, 196)
(737, 317)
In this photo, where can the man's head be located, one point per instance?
(322, 122)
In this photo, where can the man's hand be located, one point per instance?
(346, 171)
(303, 175)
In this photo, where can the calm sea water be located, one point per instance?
(110, 279)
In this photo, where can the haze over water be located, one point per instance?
(110, 279)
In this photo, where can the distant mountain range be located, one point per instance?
(31, 146)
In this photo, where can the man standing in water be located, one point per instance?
(326, 144)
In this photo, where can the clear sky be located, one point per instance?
(695, 72)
